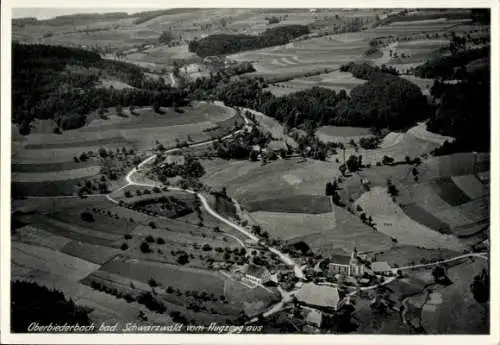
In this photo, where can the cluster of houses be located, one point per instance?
(318, 299)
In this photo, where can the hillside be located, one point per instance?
(224, 44)
(61, 83)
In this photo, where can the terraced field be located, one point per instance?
(450, 205)
(307, 55)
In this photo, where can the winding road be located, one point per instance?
(130, 182)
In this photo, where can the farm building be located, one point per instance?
(257, 274)
(381, 267)
(318, 296)
(175, 159)
(348, 265)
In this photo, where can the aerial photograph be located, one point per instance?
(250, 171)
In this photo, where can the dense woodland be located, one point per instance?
(31, 302)
(366, 71)
(464, 113)
(223, 44)
(452, 66)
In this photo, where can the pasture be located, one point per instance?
(42, 260)
(283, 179)
(413, 27)
(406, 255)
(325, 233)
(342, 134)
(168, 275)
(391, 220)
(414, 143)
(456, 311)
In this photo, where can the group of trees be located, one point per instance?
(241, 145)
(463, 113)
(32, 303)
(224, 44)
(452, 66)
(366, 71)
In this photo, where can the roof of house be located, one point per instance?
(174, 159)
(318, 295)
(340, 259)
(380, 266)
(255, 271)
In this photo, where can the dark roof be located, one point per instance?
(340, 259)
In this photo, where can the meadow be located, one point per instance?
(454, 310)
(328, 233)
(336, 81)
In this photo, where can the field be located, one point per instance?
(307, 55)
(392, 221)
(328, 233)
(42, 260)
(417, 141)
(55, 170)
(334, 81)
(402, 255)
(283, 179)
(168, 275)
(342, 134)
(414, 27)
(417, 51)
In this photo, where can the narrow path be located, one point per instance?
(172, 79)
(482, 255)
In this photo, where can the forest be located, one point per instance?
(224, 44)
(31, 303)
(452, 66)
(54, 82)
(464, 113)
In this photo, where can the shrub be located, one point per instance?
(87, 217)
(160, 240)
(145, 247)
(386, 160)
(153, 226)
(124, 246)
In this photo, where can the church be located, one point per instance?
(347, 265)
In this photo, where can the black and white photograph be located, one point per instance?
(232, 170)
